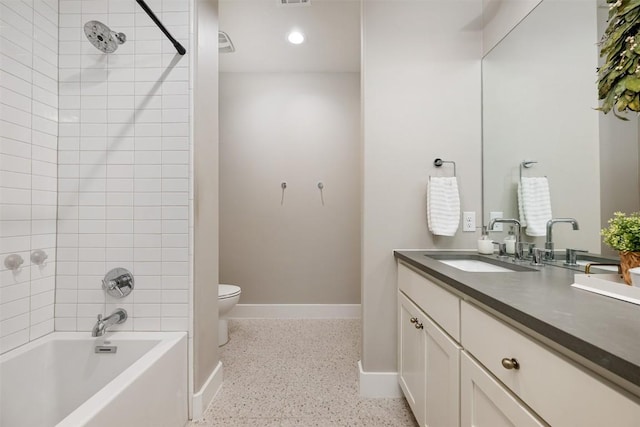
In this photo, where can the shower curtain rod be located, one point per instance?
(181, 50)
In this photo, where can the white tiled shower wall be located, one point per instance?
(124, 151)
(28, 140)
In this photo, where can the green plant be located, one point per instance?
(619, 77)
(623, 233)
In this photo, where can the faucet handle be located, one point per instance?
(118, 282)
(531, 247)
(538, 256)
(571, 256)
(502, 249)
(523, 245)
(519, 255)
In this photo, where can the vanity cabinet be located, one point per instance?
(557, 389)
(484, 402)
(460, 365)
(428, 371)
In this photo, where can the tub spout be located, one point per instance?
(117, 317)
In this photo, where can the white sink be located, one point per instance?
(474, 265)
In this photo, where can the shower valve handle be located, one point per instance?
(118, 282)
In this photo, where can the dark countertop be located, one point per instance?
(603, 330)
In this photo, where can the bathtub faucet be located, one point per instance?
(117, 317)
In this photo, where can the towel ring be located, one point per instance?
(526, 164)
(439, 162)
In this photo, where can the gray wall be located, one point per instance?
(421, 100)
(301, 128)
(205, 294)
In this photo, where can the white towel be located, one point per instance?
(534, 204)
(443, 205)
(523, 220)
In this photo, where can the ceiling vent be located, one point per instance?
(295, 2)
(225, 45)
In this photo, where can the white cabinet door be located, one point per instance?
(442, 377)
(486, 403)
(429, 368)
(411, 357)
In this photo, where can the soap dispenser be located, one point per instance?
(510, 242)
(485, 245)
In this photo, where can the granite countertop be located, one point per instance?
(602, 330)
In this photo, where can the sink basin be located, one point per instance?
(475, 266)
(478, 264)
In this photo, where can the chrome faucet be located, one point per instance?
(516, 223)
(550, 256)
(117, 317)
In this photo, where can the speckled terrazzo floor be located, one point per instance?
(297, 373)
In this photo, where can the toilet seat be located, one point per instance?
(228, 291)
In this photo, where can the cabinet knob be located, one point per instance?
(510, 363)
(419, 326)
(413, 320)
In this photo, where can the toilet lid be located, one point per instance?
(228, 291)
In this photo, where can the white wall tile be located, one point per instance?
(147, 324)
(149, 199)
(18, 307)
(175, 282)
(43, 328)
(148, 226)
(12, 341)
(175, 324)
(148, 296)
(127, 199)
(65, 323)
(14, 324)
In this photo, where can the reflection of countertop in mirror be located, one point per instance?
(604, 331)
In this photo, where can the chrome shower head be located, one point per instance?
(102, 37)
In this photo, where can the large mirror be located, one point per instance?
(539, 94)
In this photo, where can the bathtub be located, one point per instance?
(59, 380)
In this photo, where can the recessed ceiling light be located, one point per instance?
(295, 37)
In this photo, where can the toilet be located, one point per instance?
(228, 297)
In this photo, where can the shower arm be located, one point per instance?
(181, 50)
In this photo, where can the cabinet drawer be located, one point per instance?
(485, 402)
(441, 305)
(562, 393)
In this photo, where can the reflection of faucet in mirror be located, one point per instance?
(550, 256)
(516, 223)
(568, 147)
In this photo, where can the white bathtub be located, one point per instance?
(59, 380)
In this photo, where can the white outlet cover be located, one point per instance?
(469, 221)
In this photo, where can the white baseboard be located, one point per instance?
(379, 384)
(203, 398)
(296, 311)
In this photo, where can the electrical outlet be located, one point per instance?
(494, 215)
(469, 221)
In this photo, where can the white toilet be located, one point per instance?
(228, 297)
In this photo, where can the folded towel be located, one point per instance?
(523, 220)
(534, 203)
(443, 205)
